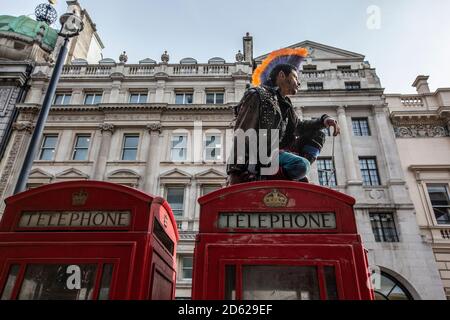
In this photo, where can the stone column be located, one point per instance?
(159, 96)
(107, 130)
(347, 149)
(152, 166)
(77, 96)
(389, 153)
(199, 96)
(14, 159)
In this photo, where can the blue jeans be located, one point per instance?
(294, 167)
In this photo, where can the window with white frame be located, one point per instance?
(186, 267)
(48, 147)
(213, 147)
(130, 147)
(325, 169)
(383, 227)
(93, 98)
(175, 198)
(208, 188)
(215, 97)
(360, 127)
(62, 98)
(369, 171)
(184, 97)
(81, 147)
(137, 97)
(440, 202)
(179, 147)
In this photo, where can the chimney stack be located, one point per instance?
(421, 84)
(248, 48)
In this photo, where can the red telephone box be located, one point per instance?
(279, 240)
(87, 240)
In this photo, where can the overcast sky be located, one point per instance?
(406, 38)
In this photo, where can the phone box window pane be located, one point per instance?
(58, 282)
(280, 283)
(10, 282)
(230, 282)
(105, 285)
(330, 282)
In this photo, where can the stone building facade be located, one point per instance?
(166, 128)
(422, 124)
(25, 42)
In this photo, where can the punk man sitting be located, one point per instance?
(267, 108)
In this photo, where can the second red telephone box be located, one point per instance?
(279, 240)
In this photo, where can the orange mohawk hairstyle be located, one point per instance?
(289, 56)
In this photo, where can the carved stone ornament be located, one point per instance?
(123, 58)
(107, 127)
(165, 57)
(239, 56)
(155, 126)
(23, 126)
(421, 131)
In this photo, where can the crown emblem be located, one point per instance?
(79, 198)
(275, 199)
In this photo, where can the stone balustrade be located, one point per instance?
(150, 70)
(411, 100)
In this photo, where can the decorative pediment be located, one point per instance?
(40, 174)
(211, 174)
(318, 51)
(124, 173)
(124, 177)
(175, 174)
(72, 174)
(38, 178)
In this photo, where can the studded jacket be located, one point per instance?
(264, 108)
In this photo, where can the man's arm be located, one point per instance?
(310, 125)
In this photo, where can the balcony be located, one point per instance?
(333, 74)
(140, 70)
(412, 101)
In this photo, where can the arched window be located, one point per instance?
(390, 289)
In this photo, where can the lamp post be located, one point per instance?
(71, 26)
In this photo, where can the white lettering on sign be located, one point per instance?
(277, 220)
(90, 219)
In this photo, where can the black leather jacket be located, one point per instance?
(264, 108)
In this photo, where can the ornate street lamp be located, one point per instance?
(71, 26)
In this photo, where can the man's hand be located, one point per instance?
(330, 122)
